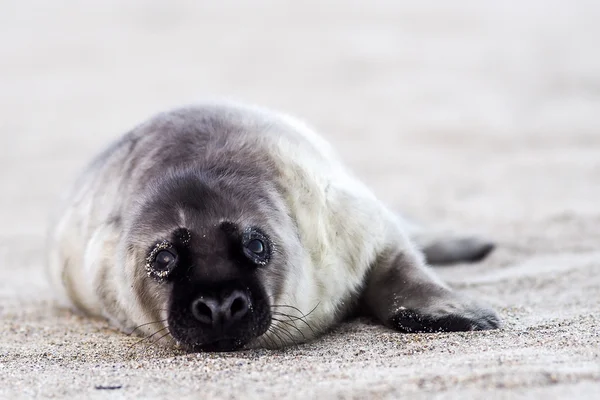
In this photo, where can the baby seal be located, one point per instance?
(223, 226)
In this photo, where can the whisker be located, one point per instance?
(283, 331)
(156, 341)
(289, 317)
(268, 344)
(301, 319)
(292, 326)
(272, 339)
(147, 323)
(278, 337)
(263, 341)
(297, 309)
(147, 337)
(286, 306)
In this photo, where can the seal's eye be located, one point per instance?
(161, 261)
(256, 246)
(164, 260)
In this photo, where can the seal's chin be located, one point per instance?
(230, 341)
(222, 345)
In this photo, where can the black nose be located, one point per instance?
(221, 311)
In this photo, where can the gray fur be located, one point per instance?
(335, 246)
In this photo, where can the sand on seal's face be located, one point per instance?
(481, 117)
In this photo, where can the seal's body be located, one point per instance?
(226, 225)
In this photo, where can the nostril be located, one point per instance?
(232, 308)
(202, 311)
(239, 307)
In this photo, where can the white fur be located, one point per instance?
(342, 228)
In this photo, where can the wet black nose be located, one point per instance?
(221, 311)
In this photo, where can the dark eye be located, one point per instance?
(256, 246)
(161, 261)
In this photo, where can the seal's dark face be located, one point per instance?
(216, 300)
(215, 265)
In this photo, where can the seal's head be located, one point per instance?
(204, 257)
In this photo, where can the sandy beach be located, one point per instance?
(477, 118)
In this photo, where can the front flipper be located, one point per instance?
(405, 295)
(473, 318)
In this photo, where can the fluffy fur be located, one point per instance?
(338, 249)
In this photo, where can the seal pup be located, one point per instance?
(220, 226)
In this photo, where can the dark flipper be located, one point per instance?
(403, 294)
(457, 250)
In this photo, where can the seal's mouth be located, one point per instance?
(221, 345)
(200, 341)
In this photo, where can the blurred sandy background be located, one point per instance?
(465, 114)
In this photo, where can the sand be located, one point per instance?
(480, 118)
